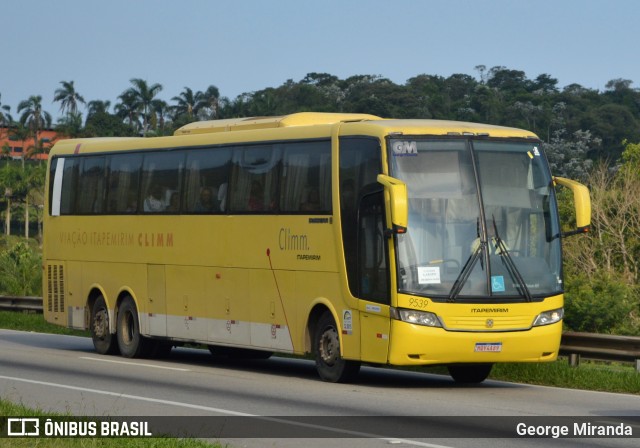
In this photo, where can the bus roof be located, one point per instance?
(354, 124)
(382, 126)
(442, 127)
(251, 123)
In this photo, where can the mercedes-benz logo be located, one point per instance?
(489, 323)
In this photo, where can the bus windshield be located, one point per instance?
(482, 220)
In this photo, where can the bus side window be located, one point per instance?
(254, 179)
(69, 185)
(124, 181)
(92, 185)
(161, 178)
(207, 173)
(306, 178)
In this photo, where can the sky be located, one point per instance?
(247, 45)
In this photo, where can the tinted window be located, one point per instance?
(254, 179)
(69, 186)
(124, 181)
(161, 182)
(207, 180)
(306, 178)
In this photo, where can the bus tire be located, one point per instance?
(103, 340)
(470, 373)
(331, 366)
(131, 343)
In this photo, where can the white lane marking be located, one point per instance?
(227, 412)
(139, 364)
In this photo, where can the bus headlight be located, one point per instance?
(549, 317)
(416, 317)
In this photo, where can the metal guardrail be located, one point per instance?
(33, 304)
(574, 344)
(600, 346)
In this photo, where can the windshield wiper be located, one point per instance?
(511, 266)
(466, 271)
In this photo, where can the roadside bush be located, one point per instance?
(601, 304)
(20, 271)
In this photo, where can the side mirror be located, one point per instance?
(398, 202)
(582, 203)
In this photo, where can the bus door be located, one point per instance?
(373, 276)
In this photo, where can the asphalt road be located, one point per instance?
(280, 400)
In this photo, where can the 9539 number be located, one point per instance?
(416, 302)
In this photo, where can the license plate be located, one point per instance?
(493, 347)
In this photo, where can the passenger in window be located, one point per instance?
(256, 197)
(207, 202)
(154, 203)
(312, 203)
(132, 206)
(174, 203)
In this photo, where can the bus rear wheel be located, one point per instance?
(103, 340)
(331, 366)
(131, 343)
(470, 373)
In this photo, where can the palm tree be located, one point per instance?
(97, 107)
(21, 133)
(33, 116)
(11, 187)
(144, 96)
(128, 109)
(186, 103)
(5, 117)
(160, 111)
(208, 102)
(68, 98)
(70, 125)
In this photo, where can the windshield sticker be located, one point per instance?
(405, 148)
(536, 152)
(429, 275)
(497, 283)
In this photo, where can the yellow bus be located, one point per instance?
(355, 238)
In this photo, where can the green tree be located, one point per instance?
(185, 104)
(34, 117)
(208, 103)
(144, 96)
(70, 125)
(5, 114)
(11, 187)
(96, 107)
(128, 109)
(603, 267)
(68, 98)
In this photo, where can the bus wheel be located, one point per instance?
(471, 373)
(330, 365)
(104, 342)
(130, 342)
